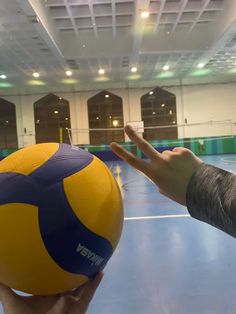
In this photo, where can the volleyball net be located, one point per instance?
(163, 135)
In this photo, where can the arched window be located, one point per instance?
(105, 110)
(8, 133)
(51, 113)
(158, 108)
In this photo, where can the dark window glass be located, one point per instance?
(51, 113)
(8, 133)
(105, 110)
(158, 109)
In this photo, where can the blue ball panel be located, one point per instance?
(17, 188)
(74, 247)
(65, 162)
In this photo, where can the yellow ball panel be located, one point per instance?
(27, 160)
(25, 264)
(95, 197)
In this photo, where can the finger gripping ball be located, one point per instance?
(61, 218)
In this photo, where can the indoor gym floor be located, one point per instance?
(166, 261)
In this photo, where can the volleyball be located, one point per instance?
(61, 218)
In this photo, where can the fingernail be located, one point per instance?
(114, 144)
(128, 126)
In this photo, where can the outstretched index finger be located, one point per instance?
(142, 144)
(131, 159)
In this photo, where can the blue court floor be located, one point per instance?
(167, 265)
(167, 262)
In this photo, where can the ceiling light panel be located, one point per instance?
(151, 19)
(189, 16)
(209, 15)
(171, 6)
(154, 6)
(83, 22)
(102, 9)
(168, 18)
(215, 5)
(103, 20)
(125, 8)
(63, 23)
(80, 10)
(124, 19)
(58, 11)
(193, 5)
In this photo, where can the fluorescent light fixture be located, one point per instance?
(133, 69)
(144, 14)
(68, 73)
(165, 75)
(36, 74)
(6, 85)
(134, 77)
(69, 81)
(201, 65)
(36, 83)
(200, 72)
(102, 79)
(166, 67)
(101, 71)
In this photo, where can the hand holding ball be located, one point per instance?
(61, 217)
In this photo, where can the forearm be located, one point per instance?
(211, 197)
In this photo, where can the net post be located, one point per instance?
(61, 135)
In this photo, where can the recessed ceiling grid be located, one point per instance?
(179, 62)
(22, 49)
(113, 15)
(225, 58)
(15, 47)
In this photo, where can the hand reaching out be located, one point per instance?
(74, 302)
(169, 170)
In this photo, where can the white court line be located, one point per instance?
(156, 217)
(228, 161)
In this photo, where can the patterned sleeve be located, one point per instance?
(211, 197)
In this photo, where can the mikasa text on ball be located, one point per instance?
(61, 217)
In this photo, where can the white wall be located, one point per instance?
(198, 103)
(209, 102)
